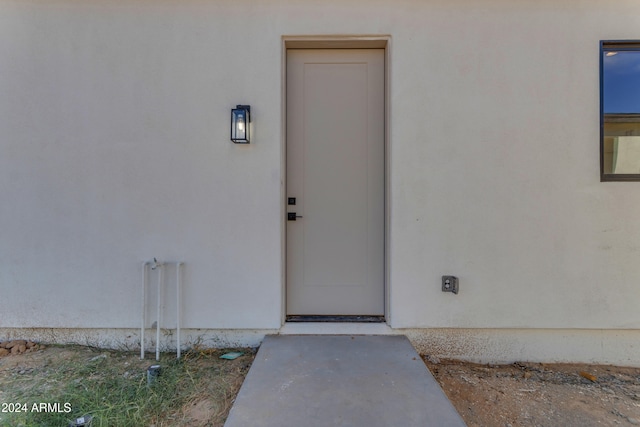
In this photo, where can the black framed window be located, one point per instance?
(620, 110)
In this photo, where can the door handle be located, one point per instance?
(291, 216)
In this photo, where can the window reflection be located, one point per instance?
(621, 108)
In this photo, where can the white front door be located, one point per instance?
(335, 181)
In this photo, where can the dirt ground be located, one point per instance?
(534, 394)
(521, 394)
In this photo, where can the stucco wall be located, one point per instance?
(114, 148)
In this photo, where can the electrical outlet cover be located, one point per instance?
(450, 284)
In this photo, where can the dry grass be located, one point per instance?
(197, 390)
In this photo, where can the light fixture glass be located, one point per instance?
(240, 119)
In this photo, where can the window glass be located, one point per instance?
(620, 79)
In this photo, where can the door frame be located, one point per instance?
(334, 42)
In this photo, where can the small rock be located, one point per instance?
(433, 359)
(526, 375)
(633, 421)
(15, 349)
(3, 352)
(30, 344)
(588, 376)
(101, 356)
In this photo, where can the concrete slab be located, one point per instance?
(326, 381)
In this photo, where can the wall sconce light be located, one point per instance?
(240, 119)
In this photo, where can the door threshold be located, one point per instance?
(335, 319)
(335, 328)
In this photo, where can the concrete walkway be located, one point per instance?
(327, 381)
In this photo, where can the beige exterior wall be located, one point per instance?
(114, 148)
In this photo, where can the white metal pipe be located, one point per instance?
(159, 301)
(178, 292)
(159, 311)
(144, 304)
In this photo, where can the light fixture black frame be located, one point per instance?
(247, 121)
